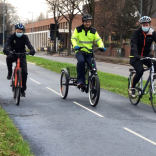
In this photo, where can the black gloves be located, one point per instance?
(32, 52)
(6, 51)
(137, 56)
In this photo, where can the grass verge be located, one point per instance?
(11, 142)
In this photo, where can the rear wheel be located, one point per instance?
(134, 101)
(94, 90)
(153, 94)
(64, 84)
(18, 87)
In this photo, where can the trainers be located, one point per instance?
(23, 93)
(133, 93)
(9, 75)
(81, 87)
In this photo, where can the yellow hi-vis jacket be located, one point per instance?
(84, 38)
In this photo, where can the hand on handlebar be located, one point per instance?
(76, 47)
(102, 49)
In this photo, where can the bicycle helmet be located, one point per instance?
(19, 26)
(86, 17)
(145, 19)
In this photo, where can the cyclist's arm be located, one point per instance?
(134, 43)
(74, 38)
(98, 40)
(28, 44)
(154, 36)
(7, 44)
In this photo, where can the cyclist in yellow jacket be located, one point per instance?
(84, 36)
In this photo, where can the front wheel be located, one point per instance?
(64, 84)
(18, 87)
(94, 90)
(152, 91)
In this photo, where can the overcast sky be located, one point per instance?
(24, 6)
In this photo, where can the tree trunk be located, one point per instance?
(121, 39)
(69, 37)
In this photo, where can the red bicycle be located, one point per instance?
(16, 80)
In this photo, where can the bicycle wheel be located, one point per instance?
(94, 90)
(13, 87)
(134, 101)
(64, 84)
(18, 87)
(153, 94)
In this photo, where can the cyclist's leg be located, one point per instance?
(80, 68)
(138, 66)
(23, 64)
(9, 60)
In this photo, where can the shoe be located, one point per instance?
(81, 87)
(9, 76)
(23, 93)
(133, 93)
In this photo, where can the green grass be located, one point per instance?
(111, 82)
(11, 142)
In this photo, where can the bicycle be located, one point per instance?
(69, 77)
(16, 79)
(139, 89)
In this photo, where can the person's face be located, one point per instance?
(87, 23)
(19, 31)
(145, 24)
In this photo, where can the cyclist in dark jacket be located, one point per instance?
(141, 42)
(17, 42)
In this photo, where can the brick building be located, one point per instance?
(41, 31)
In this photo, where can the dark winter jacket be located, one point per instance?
(141, 42)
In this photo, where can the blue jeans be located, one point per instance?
(82, 58)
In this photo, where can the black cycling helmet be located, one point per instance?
(86, 17)
(20, 26)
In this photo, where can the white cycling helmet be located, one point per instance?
(145, 19)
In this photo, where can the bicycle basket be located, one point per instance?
(72, 71)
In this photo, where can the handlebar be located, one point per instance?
(91, 50)
(24, 53)
(146, 58)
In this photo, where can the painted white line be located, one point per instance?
(88, 109)
(32, 63)
(152, 142)
(53, 91)
(3, 63)
(34, 81)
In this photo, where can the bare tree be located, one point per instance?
(148, 7)
(40, 17)
(53, 8)
(69, 9)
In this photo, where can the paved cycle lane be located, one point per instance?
(54, 126)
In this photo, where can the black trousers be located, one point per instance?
(12, 58)
(82, 58)
(138, 66)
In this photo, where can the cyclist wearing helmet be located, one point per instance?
(141, 47)
(17, 42)
(84, 36)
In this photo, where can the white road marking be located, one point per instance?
(32, 63)
(3, 63)
(53, 91)
(152, 142)
(34, 81)
(88, 109)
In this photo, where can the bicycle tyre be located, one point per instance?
(64, 85)
(18, 87)
(13, 87)
(134, 101)
(153, 96)
(94, 90)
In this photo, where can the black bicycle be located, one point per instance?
(139, 89)
(69, 77)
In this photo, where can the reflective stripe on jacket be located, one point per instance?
(84, 38)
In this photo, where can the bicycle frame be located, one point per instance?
(150, 77)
